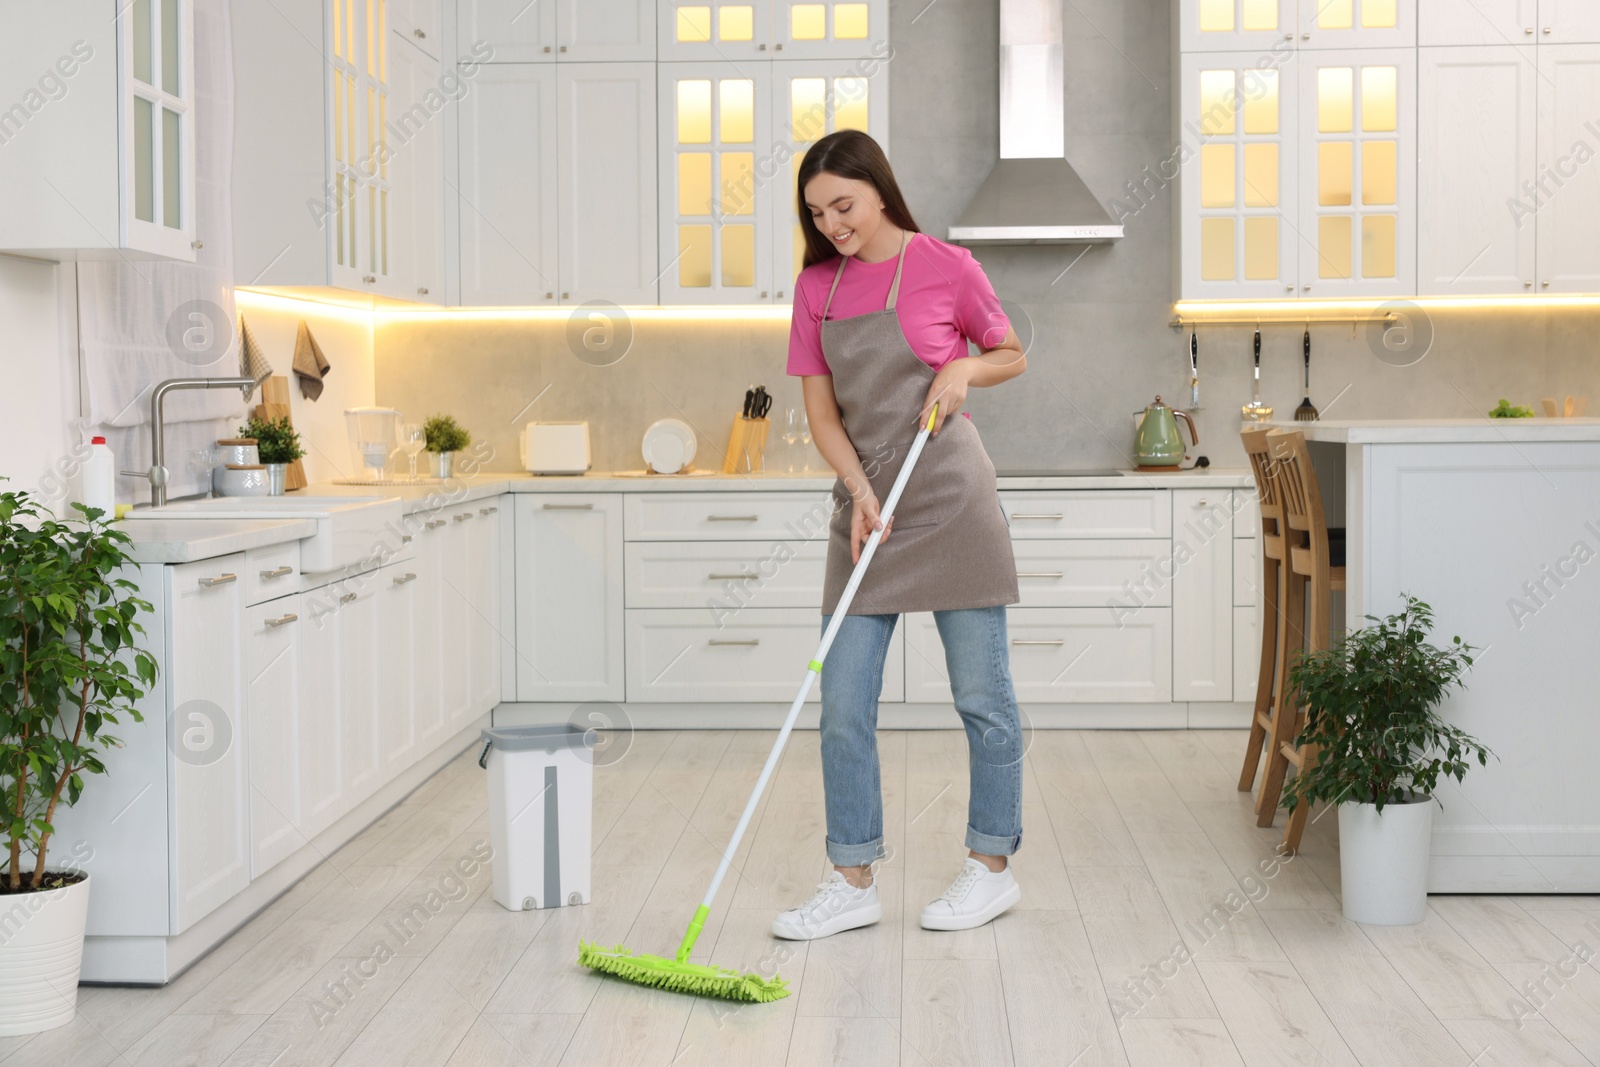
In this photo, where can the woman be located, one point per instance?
(882, 317)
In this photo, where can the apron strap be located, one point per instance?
(834, 287)
(894, 287)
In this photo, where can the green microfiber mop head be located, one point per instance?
(661, 973)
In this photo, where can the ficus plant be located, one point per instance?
(1371, 705)
(69, 670)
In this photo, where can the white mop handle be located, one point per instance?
(815, 665)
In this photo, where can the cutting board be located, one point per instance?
(275, 405)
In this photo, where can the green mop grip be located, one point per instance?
(696, 924)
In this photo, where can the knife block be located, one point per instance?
(747, 445)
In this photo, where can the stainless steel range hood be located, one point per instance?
(1033, 195)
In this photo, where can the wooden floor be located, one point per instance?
(1156, 928)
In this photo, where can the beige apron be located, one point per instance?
(951, 545)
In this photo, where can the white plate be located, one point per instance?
(669, 446)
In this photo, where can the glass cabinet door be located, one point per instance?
(359, 187)
(1358, 173)
(1358, 23)
(717, 172)
(714, 30)
(810, 100)
(156, 39)
(1238, 189)
(1234, 25)
(838, 29)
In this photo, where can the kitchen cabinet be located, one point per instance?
(1477, 117)
(1568, 22)
(455, 616)
(356, 626)
(1246, 652)
(428, 634)
(1239, 190)
(606, 185)
(398, 693)
(209, 776)
(418, 22)
(414, 138)
(723, 576)
(1237, 25)
(775, 29)
(274, 712)
(98, 131)
(1340, 24)
(321, 767)
(831, 30)
(485, 643)
(1478, 22)
(1202, 595)
(358, 210)
(1357, 144)
(1569, 185)
(560, 31)
(569, 599)
(729, 30)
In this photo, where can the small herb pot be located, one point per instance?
(443, 463)
(277, 476)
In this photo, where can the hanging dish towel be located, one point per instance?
(310, 365)
(252, 361)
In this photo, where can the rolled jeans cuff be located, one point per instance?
(855, 855)
(988, 845)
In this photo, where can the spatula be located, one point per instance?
(1307, 411)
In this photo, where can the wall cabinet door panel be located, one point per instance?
(1358, 24)
(1481, 22)
(1569, 22)
(611, 31)
(1568, 200)
(1236, 25)
(517, 31)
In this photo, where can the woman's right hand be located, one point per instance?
(864, 519)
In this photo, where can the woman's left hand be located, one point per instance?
(949, 390)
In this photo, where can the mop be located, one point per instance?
(678, 974)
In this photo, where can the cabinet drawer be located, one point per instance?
(1088, 513)
(270, 572)
(1091, 573)
(679, 655)
(1246, 569)
(789, 517)
(725, 575)
(1247, 513)
(207, 575)
(1060, 656)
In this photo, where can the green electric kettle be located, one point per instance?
(1158, 445)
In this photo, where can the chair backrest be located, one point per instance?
(1259, 451)
(1296, 480)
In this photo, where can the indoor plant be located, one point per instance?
(445, 438)
(1381, 749)
(69, 671)
(277, 445)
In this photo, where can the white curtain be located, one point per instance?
(143, 321)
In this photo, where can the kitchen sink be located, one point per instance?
(350, 529)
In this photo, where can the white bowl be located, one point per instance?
(252, 481)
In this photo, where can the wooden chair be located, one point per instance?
(1310, 576)
(1273, 620)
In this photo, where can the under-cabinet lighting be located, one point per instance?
(397, 311)
(1299, 310)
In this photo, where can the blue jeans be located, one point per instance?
(978, 661)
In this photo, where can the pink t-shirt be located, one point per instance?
(945, 301)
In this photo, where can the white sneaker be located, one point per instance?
(836, 906)
(976, 896)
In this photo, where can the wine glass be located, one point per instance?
(412, 441)
(791, 435)
(805, 439)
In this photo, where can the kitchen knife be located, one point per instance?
(749, 399)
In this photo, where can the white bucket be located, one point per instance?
(541, 799)
(1383, 861)
(41, 955)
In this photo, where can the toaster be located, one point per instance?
(555, 447)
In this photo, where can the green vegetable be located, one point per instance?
(445, 434)
(1508, 410)
(276, 441)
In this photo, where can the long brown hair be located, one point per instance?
(854, 155)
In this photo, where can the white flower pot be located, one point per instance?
(41, 952)
(1383, 861)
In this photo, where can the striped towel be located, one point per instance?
(252, 361)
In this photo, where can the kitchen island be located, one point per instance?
(1496, 524)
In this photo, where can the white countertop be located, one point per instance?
(1443, 431)
(186, 540)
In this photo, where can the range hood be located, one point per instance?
(1033, 195)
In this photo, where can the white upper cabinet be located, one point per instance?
(1569, 22)
(606, 190)
(97, 135)
(547, 31)
(1485, 22)
(716, 240)
(1477, 117)
(418, 22)
(835, 29)
(507, 186)
(714, 30)
(1238, 187)
(772, 29)
(1358, 23)
(414, 139)
(1568, 199)
(1236, 25)
(1357, 144)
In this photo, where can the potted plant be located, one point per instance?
(69, 672)
(1381, 750)
(277, 445)
(445, 437)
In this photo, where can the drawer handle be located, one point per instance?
(752, 642)
(434, 524)
(1039, 574)
(569, 507)
(487, 511)
(348, 597)
(404, 578)
(746, 577)
(405, 539)
(282, 620)
(463, 517)
(1056, 517)
(1201, 503)
(278, 572)
(1057, 643)
(733, 518)
(221, 579)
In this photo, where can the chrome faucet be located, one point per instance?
(158, 451)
